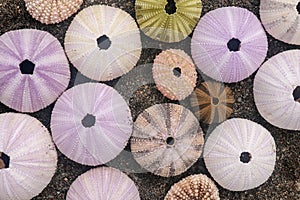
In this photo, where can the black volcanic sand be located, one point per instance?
(284, 182)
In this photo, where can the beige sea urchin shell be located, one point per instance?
(196, 187)
(174, 74)
(167, 139)
(212, 102)
(52, 11)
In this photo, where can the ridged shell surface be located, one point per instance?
(225, 48)
(103, 183)
(156, 23)
(26, 88)
(212, 102)
(52, 11)
(32, 157)
(240, 154)
(167, 139)
(281, 19)
(91, 123)
(174, 74)
(103, 42)
(275, 85)
(194, 187)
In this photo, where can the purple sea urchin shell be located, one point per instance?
(167, 139)
(229, 44)
(103, 42)
(91, 123)
(103, 183)
(34, 70)
(276, 90)
(240, 154)
(29, 156)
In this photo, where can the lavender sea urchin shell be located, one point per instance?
(34, 70)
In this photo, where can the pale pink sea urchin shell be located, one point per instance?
(167, 139)
(174, 74)
(29, 156)
(103, 183)
(34, 69)
(91, 123)
(240, 154)
(229, 44)
(52, 11)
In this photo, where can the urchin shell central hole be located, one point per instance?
(215, 101)
(245, 157)
(4, 161)
(170, 141)
(234, 44)
(296, 94)
(103, 42)
(177, 72)
(298, 7)
(170, 8)
(27, 67)
(88, 121)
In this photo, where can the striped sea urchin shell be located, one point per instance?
(103, 183)
(281, 19)
(52, 11)
(277, 90)
(91, 123)
(34, 69)
(28, 155)
(225, 48)
(196, 187)
(157, 23)
(167, 139)
(240, 154)
(103, 42)
(174, 74)
(212, 102)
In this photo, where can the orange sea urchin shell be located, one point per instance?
(52, 11)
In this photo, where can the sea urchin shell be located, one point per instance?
(167, 139)
(196, 187)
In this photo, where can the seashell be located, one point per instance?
(197, 187)
(224, 48)
(174, 74)
(281, 19)
(28, 157)
(103, 183)
(52, 12)
(240, 154)
(34, 70)
(168, 21)
(103, 42)
(167, 139)
(91, 123)
(212, 102)
(277, 90)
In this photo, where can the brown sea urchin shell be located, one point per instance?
(167, 139)
(212, 102)
(174, 74)
(52, 11)
(195, 187)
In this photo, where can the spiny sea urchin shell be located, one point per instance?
(91, 123)
(194, 187)
(281, 19)
(28, 157)
(52, 11)
(240, 154)
(168, 21)
(212, 102)
(167, 139)
(34, 69)
(174, 74)
(103, 42)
